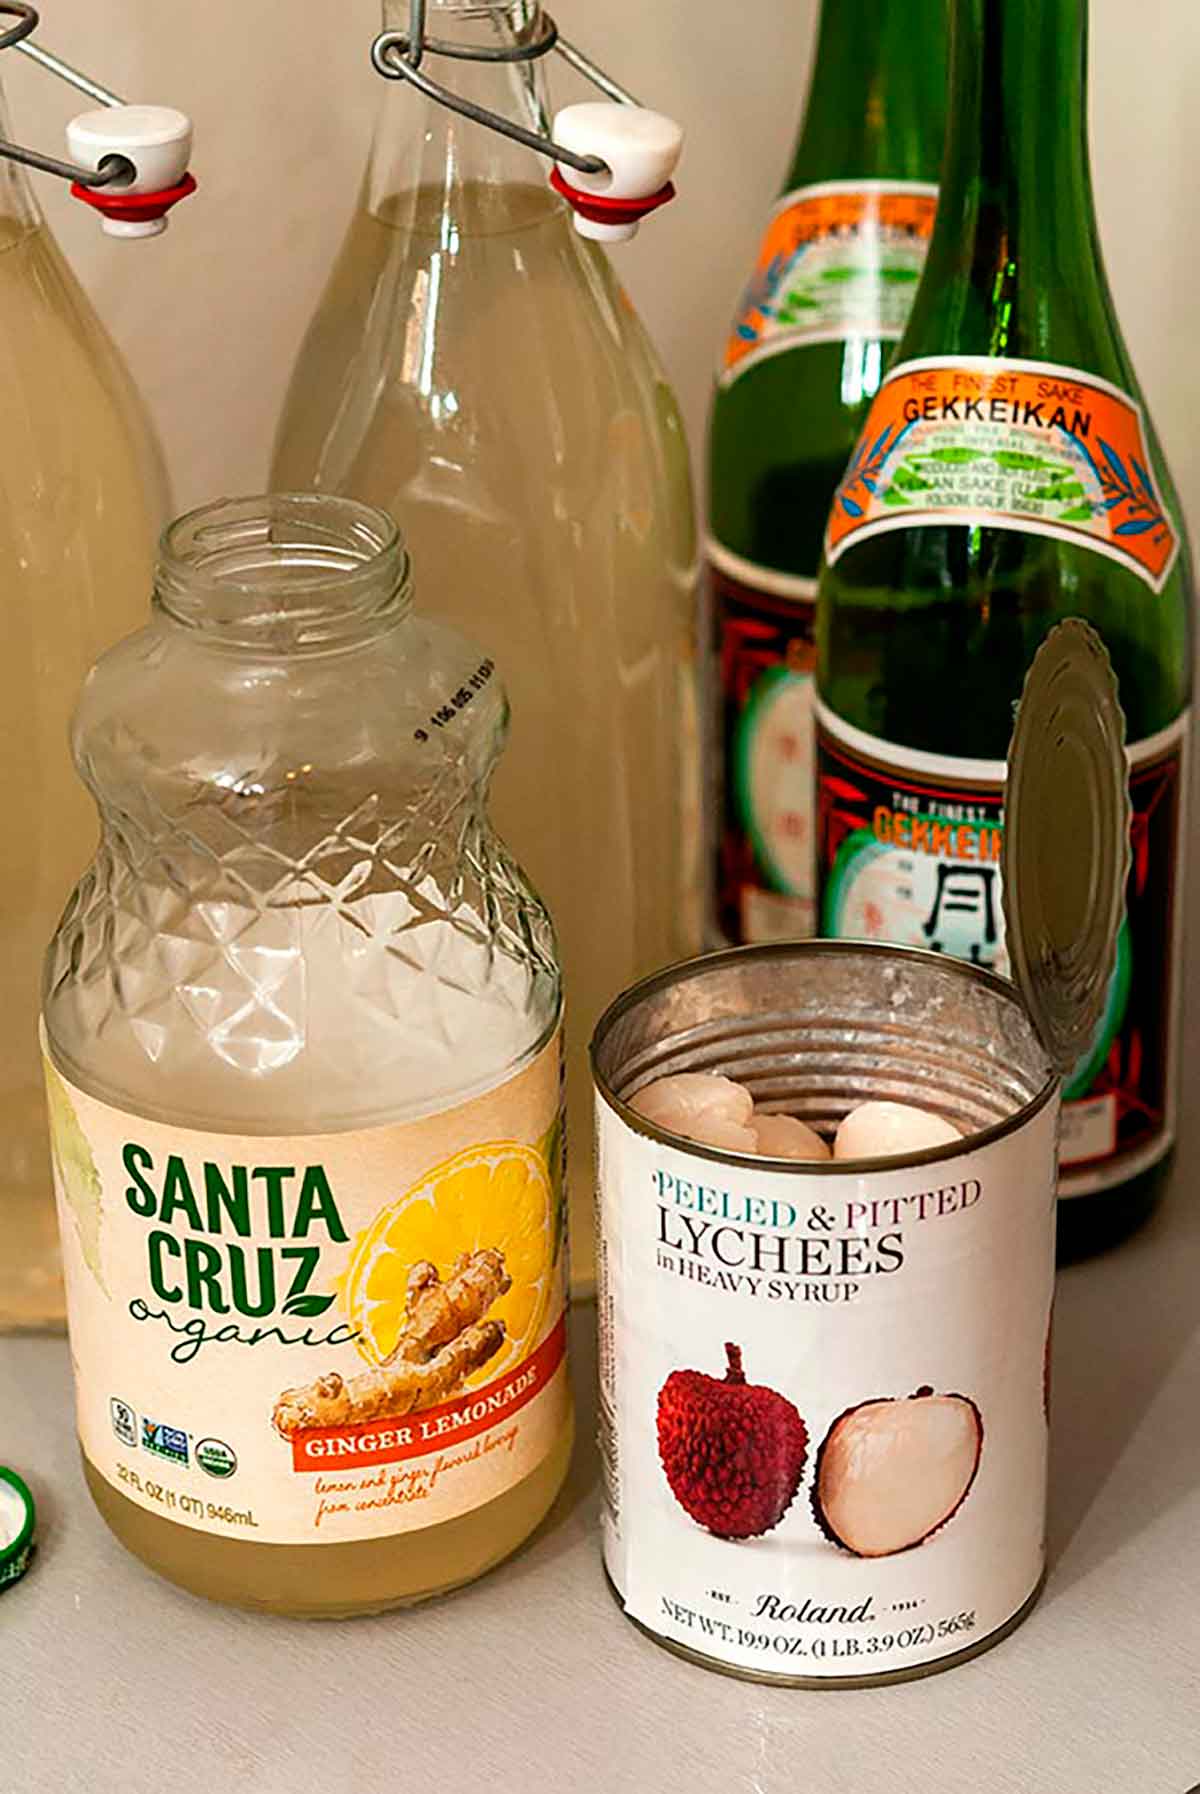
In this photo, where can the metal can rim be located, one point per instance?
(932, 1155)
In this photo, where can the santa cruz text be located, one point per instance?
(194, 1253)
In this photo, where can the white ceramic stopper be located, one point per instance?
(156, 139)
(640, 150)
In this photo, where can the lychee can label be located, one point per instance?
(317, 1338)
(824, 1398)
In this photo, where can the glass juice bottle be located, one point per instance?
(476, 369)
(302, 1026)
(82, 498)
(1007, 476)
(825, 306)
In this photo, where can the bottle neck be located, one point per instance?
(284, 575)
(1016, 206)
(420, 144)
(877, 96)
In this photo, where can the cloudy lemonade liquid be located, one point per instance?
(81, 500)
(331, 1579)
(476, 369)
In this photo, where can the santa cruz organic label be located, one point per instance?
(839, 260)
(355, 1333)
(765, 651)
(1022, 445)
(909, 851)
(823, 1400)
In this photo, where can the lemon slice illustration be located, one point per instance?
(496, 1195)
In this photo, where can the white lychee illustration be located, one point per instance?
(892, 1472)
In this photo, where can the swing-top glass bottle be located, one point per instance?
(83, 495)
(476, 368)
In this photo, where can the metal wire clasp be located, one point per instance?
(398, 55)
(114, 170)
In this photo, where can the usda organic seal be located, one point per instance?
(17, 1517)
(217, 1458)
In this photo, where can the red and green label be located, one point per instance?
(908, 851)
(766, 652)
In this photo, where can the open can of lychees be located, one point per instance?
(825, 1378)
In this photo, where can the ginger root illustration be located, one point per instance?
(498, 1197)
(445, 1339)
(438, 1312)
(892, 1472)
(733, 1452)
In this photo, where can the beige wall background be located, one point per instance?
(210, 316)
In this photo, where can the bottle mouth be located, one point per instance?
(442, 16)
(288, 572)
(398, 12)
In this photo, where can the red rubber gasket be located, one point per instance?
(599, 209)
(135, 208)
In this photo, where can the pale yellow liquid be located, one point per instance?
(476, 370)
(327, 1581)
(81, 500)
(337, 1581)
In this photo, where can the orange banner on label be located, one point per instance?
(1015, 444)
(387, 1441)
(838, 260)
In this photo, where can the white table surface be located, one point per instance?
(531, 1680)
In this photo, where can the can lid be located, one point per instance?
(1066, 838)
(17, 1520)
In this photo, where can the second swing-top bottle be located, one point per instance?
(476, 368)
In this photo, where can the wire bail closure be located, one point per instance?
(114, 170)
(398, 55)
(128, 162)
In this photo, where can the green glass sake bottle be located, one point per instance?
(1008, 476)
(824, 309)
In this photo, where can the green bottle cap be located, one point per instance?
(1066, 846)
(17, 1519)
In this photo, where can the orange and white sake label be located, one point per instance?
(1022, 445)
(838, 260)
(321, 1337)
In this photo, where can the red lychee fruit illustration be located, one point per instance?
(733, 1451)
(892, 1472)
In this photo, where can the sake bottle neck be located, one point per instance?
(420, 144)
(877, 95)
(1016, 214)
